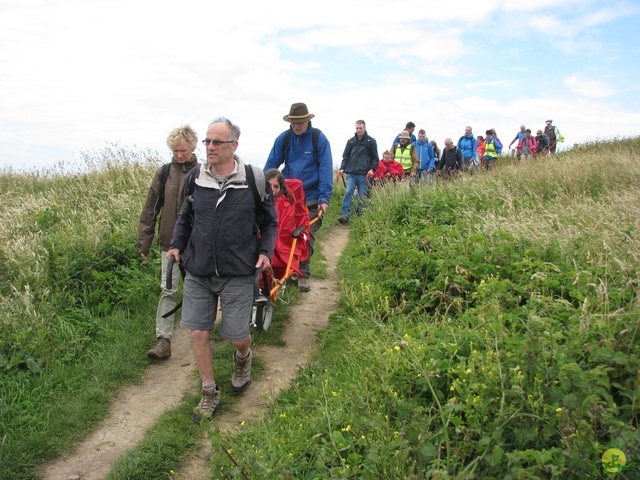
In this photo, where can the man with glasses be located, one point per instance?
(223, 234)
(306, 154)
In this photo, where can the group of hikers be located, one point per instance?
(469, 153)
(418, 159)
(217, 221)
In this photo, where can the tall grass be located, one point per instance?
(77, 306)
(489, 329)
(74, 301)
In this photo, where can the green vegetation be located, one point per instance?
(74, 303)
(489, 328)
(76, 311)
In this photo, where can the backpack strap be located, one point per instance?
(257, 189)
(164, 174)
(256, 183)
(314, 140)
(285, 146)
(315, 134)
(190, 181)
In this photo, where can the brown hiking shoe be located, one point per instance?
(162, 349)
(241, 377)
(207, 405)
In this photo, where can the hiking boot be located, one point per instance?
(241, 377)
(303, 284)
(343, 219)
(207, 405)
(162, 349)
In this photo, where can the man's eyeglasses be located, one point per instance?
(216, 143)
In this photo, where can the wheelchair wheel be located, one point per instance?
(262, 316)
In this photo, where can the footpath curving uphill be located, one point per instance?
(132, 414)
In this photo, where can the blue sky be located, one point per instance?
(78, 76)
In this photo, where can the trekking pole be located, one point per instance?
(317, 217)
(169, 283)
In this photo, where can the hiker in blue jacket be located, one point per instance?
(426, 156)
(410, 127)
(306, 154)
(468, 145)
(519, 136)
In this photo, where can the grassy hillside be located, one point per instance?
(77, 314)
(489, 329)
(75, 302)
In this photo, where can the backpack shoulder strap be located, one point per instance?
(285, 146)
(314, 139)
(315, 135)
(163, 182)
(190, 180)
(257, 187)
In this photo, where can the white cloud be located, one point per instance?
(589, 88)
(84, 74)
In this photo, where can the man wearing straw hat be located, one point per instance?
(404, 153)
(306, 154)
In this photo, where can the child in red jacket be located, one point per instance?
(388, 169)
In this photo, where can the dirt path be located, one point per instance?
(132, 414)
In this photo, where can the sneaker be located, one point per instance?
(343, 219)
(303, 284)
(241, 377)
(207, 405)
(162, 349)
